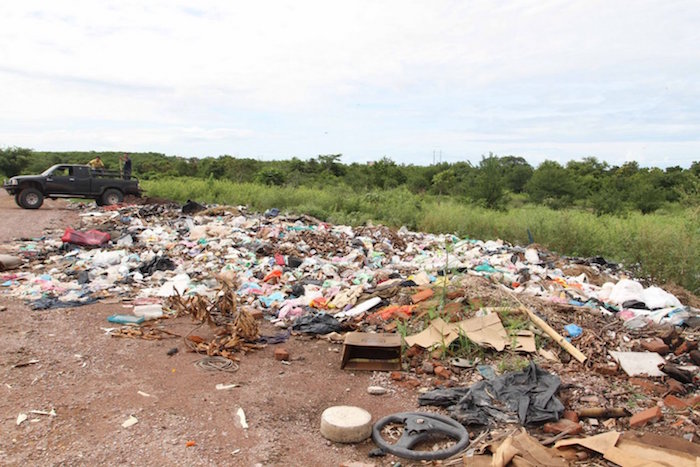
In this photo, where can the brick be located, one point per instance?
(605, 369)
(281, 354)
(442, 372)
(675, 403)
(675, 387)
(655, 344)
(651, 415)
(685, 347)
(570, 415)
(648, 386)
(563, 425)
(396, 375)
(455, 294)
(413, 351)
(412, 382)
(422, 295)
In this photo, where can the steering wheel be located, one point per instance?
(418, 427)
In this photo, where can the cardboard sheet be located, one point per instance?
(486, 331)
(437, 333)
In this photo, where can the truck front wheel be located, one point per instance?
(31, 198)
(112, 196)
(17, 200)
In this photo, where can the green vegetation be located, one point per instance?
(647, 218)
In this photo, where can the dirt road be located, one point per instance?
(95, 382)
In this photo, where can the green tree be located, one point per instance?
(488, 185)
(516, 173)
(551, 184)
(14, 160)
(270, 176)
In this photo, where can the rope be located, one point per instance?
(217, 363)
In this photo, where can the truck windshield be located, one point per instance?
(49, 171)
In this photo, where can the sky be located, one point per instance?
(557, 80)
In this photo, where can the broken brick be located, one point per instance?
(649, 387)
(651, 415)
(413, 351)
(563, 425)
(454, 294)
(685, 347)
(655, 344)
(422, 295)
(570, 415)
(605, 369)
(281, 354)
(396, 375)
(675, 403)
(442, 372)
(675, 387)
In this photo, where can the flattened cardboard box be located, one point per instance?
(367, 351)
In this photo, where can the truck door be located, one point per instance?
(57, 182)
(80, 180)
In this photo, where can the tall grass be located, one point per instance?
(665, 246)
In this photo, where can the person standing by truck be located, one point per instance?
(126, 166)
(96, 164)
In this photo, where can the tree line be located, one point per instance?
(495, 182)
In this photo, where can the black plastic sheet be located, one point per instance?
(321, 323)
(526, 396)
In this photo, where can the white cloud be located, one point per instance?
(291, 77)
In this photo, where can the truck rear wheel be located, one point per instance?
(31, 198)
(112, 196)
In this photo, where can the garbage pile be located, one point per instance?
(466, 309)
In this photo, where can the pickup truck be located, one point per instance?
(70, 181)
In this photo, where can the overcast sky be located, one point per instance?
(619, 80)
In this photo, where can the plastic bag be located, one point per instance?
(89, 238)
(526, 396)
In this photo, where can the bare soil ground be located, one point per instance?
(93, 382)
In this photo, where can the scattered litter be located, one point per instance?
(144, 394)
(51, 413)
(125, 319)
(21, 418)
(241, 418)
(224, 387)
(131, 421)
(217, 363)
(190, 444)
(23, 364)
(573, 330)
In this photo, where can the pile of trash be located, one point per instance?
(467, 299)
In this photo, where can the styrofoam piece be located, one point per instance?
(639, 363)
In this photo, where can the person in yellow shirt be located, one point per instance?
(96, 163)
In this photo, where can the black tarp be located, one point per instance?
(526, 396)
